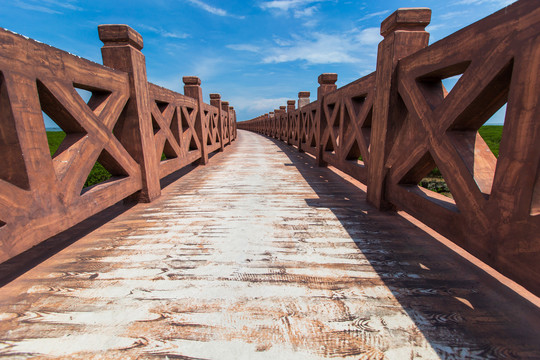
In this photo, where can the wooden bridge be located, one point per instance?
(262, 256)
(308, 240)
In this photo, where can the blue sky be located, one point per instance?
(256, 54)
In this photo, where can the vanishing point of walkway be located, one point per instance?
(261, 255)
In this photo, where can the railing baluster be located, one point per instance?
(404, 34)
(122, 51)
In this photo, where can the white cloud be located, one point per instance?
(369, 36)
(47, 6)
(212, 9)
(64, 4)
(375, 14)
(299, 8)
(500, 3)
(40, 8)
(206, 68)
(244, 47)
(175, 35)
(283, 5)
(311, 23)
(258, 104)
(430, 28)
(164, 33)
(319, 48)
(306, 12)
(453, 14)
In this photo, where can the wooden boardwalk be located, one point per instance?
(262, 255)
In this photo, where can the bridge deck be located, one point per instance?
(262, 255)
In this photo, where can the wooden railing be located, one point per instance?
(127, 126)
(392, 127)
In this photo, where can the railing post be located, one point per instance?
(192, 88)
(290, 105)
(225, 109)
(303, 98)
(277, 123)
(122, 51)
(282, 121)
(290, 110)
(215, 100)
(404, 34)
(327, 83)
(232, 122)
(271, 122)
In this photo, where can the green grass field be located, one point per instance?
(98, 173)
(492, 136)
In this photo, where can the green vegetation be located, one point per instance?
(55, 139)
(435, 182)
(492, 135)
(98, 173)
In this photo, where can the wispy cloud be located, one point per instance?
(40, 8)
(68, 4)
(258, 104)
(500, 3)
(375, 14)
(369, 36)
(430, 28)
(452, 14)
(321, 49)
(47, 6)
(212, 9)
(298, 8)
(244, 47)
(306, 12)
(285, 5)
(206, 68)
(164, 33)
(318, 48)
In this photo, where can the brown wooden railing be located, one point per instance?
(127, 125)
(392, 127)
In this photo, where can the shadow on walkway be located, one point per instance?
(449, 298)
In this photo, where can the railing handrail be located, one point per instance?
(122, 126)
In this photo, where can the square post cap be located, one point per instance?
(225, 103)
(119, 34)
(215, 96)
(304, 94)
(411, 19)
(327, 78)
(291, 102)
(191, 80)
